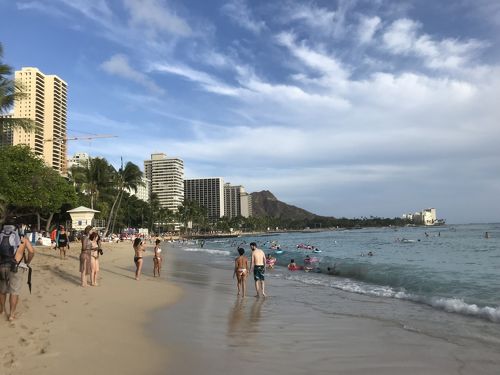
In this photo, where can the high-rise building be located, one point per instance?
(142, 191)
(237, 202)
(45, 104)
(166, 176)
(6, 135)
(208, 193)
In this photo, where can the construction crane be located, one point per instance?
(65, 139)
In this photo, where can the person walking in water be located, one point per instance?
(241, 271)
(259, 267)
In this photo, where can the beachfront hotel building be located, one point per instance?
(425, 217)
(237, 202)
(208, 193)
(142, 191)
(45, 104)
(166, 180)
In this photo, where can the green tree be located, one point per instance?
(92, 178)
(29, 187)
(10, 91)
(127, 178)
(191, 212)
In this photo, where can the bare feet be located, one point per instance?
(12, 317)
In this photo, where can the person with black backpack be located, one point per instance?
(13, 264)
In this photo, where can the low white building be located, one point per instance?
(80, 159)
(425, 217)
(81, 217)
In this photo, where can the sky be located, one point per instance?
(345, 108)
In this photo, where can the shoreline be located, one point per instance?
(211, 330)
(64, 328)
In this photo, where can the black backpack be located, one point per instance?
(7, 251)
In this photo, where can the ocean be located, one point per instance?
(442, 281)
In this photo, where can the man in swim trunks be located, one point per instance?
(259, 267)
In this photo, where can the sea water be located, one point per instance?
(453, 268)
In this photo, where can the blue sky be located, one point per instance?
(344, 108)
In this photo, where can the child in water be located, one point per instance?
(293, 266)
(241, 271)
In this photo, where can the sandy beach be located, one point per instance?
(64, 328)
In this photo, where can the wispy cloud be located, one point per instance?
(209, 83)
(314, 59)
(119, 65)
(367, 28)
(403, 37)
(42, 7)
(154, 16)
(239, 12)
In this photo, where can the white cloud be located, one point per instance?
(153, 15)
(320, 19)
(239, 12)
(42, 7)
(118, 65)
(323, 63)
(367, 28)
(403, 37)
(209, 83)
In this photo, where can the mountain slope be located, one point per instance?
(264, 203)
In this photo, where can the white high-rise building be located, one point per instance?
(237, 202)
(208, 193)
(166, 176)
(142, 192)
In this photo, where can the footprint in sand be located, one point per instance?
(23, 342)
(9, 360)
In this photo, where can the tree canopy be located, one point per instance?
(28, 186)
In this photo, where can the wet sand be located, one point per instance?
(66, 329)
(211, 331)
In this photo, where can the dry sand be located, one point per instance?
(64, 328)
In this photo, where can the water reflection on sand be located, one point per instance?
(243, 321)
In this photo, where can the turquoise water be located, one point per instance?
(452, 268)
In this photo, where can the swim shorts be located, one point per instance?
(258, 273)
(10, 282)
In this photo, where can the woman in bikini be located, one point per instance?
(157, 259)
(241, 271)
(138, 251)
(94, 258)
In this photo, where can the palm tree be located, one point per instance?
(127, 178)
(93, 177)
(10, 91)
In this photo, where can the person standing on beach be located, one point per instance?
(62, 242)
(259, 267)
(85, 256)
(12, 267)
(138, 251)
(94, 257)
(157, 258)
